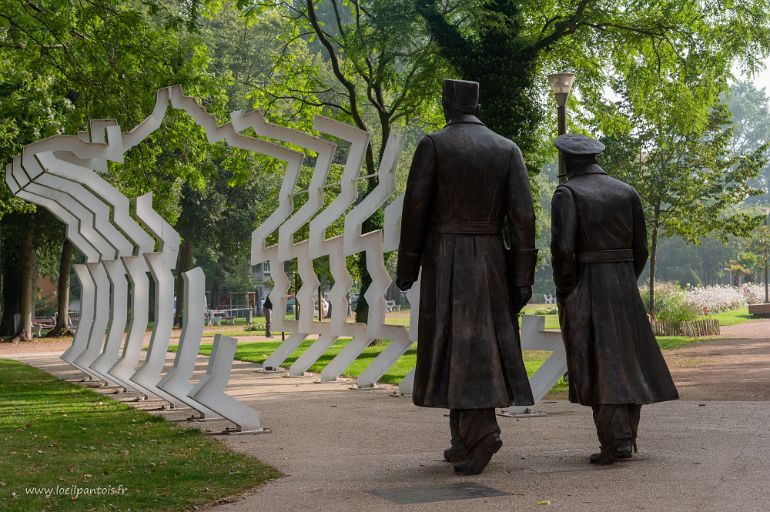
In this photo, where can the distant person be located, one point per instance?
(599, 249)
(267, 308)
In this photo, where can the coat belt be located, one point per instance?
(608, 256)
(469, 228)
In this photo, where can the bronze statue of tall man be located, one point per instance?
(465, 180)
(599, 249)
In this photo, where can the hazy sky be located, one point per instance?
(763, 78)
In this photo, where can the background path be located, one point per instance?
(734, 368)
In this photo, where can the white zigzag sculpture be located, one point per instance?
(57, 174)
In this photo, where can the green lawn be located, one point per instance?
(733, 317)
(57, 434)
(257, 352)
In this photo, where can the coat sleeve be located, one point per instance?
(563, 235)
(640, 236)
(521, 216)
(415, 217)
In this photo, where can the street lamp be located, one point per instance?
(767, 243)
(561, 84)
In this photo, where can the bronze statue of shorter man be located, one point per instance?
(599, 249)
(464, 180)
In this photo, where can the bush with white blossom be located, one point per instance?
(715, 299)
(675, 304)
(754, 293)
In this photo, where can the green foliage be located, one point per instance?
(749, 108)
(680, 157)
(670, 303)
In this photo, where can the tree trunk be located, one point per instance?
(27, 293)
(370, 224)
(184, 263)
(11, 302)
(63, 291)
(216, 290)
(653, 255)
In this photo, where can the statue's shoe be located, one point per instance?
(455, 454)
(623, 451)
(604, 458)
(479, 456)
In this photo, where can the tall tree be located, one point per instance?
(65, 61)
(690, 178)
(378, 70)
(750, 108)
(507, 45)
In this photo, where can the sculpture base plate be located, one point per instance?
(521, 412)
(233, 432)
(271, 370)
(367, 388)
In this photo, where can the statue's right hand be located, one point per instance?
(521, 296)
(403, 284)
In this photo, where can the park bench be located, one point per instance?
(549, 299)
(40, 323)
(214, 316)
(392, 306)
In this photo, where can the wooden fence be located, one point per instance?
(695, 328)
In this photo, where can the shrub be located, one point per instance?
(754, 293)
(715, 299)
(670, 303)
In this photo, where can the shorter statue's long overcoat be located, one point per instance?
(464, 179)
(599, 249)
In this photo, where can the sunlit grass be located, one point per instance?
(54, 433)
(257, 352)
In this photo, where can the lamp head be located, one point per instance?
(561, 85)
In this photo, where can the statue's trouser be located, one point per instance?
(616, 423)
(268, 314)
(471, 426)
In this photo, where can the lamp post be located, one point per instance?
(767, 243)
(561, 84)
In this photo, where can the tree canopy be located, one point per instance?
(653, 80)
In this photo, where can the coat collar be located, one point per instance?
(465, 119)
(589, 169)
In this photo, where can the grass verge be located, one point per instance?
(59, 435)
(733, 317)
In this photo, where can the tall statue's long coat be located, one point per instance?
(599, 249)
(463, 181)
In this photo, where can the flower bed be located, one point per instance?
(714, 299)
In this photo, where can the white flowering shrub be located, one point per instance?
(677, 305)
(715, 299)
(754, 293)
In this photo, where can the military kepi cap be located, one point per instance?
(577, 144)
(461, 93)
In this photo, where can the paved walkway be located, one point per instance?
(336, 445)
